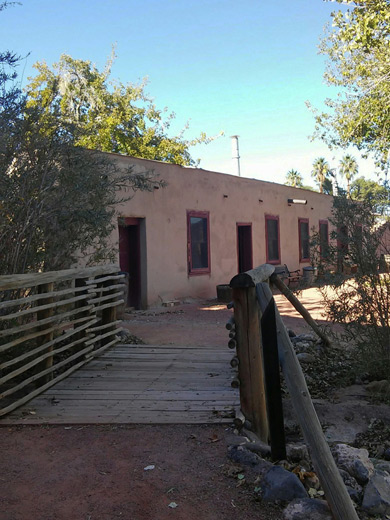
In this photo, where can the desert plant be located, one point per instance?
(357, 295)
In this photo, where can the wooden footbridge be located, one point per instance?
(144, 384)
(61, 360)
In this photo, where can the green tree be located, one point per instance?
(107, 116)
(294, 178)
(357, 45)
(372, 192)
(348, 169)
(360, 303)
(321, 172)
(57, 200)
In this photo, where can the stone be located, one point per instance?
(261, 448)
(304, 357)
(386, 454)
(236, 439)
(297, 452)
(307, 508)
(291, 333)
(280, 484)
(308, 337)
(379, 387)
(354, 461)
(302, 346)
(350, 481)
(355, 495)
(376, 499)
(381, 465)
(243, 456)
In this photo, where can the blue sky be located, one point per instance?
(244, 68)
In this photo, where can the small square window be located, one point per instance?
(198, 242)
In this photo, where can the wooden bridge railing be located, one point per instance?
(51, 324)
(263, 347)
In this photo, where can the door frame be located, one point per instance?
(140, 222)
(239, 225)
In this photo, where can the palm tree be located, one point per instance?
(321, 171)
(294, 178)
(348, 169)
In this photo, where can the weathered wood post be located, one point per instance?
(272, 382)
(335, 491)
(46, 338)
(249, 354)
(299, 307)
(81, 283)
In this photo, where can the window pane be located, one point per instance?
(199, 252)
(273, 239)
(304, 234)
(324, 240)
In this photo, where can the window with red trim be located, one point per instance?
(272, 240)
(324, 238)
(198, 242)
(304, 240)
(358, 236)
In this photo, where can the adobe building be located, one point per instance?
(204, 227)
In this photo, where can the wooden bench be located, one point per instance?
(287, 275)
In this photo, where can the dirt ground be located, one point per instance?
(98, 472)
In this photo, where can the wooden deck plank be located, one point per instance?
(145, 384)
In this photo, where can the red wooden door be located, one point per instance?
(130, 258)
(244, 247)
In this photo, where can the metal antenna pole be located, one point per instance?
(236, 152)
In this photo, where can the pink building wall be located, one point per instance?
(229, 200)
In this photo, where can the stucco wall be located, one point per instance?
(229, 200)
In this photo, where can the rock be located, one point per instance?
(308, 337)
(381, 465)
(355, 461)
(236, 439)
(355, 495)
(279, 484)
(245, 457)
(376, 500)
(259, 447)
(302, 346)
(379, 387)
(312, 482)
(350, 481)
(386, 454)
(291, 333)
(297, 452)
(307, 508)
(304, 357)
(353, 488)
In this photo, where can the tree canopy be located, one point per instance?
(107, 115)
(294, 178)
(357, 45)
(58, 201)
(321, 172)
(372, 192)
(348, 169)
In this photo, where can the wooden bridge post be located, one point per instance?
(41, 315)
(81, 282)
(248, 334)
(336, 493)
